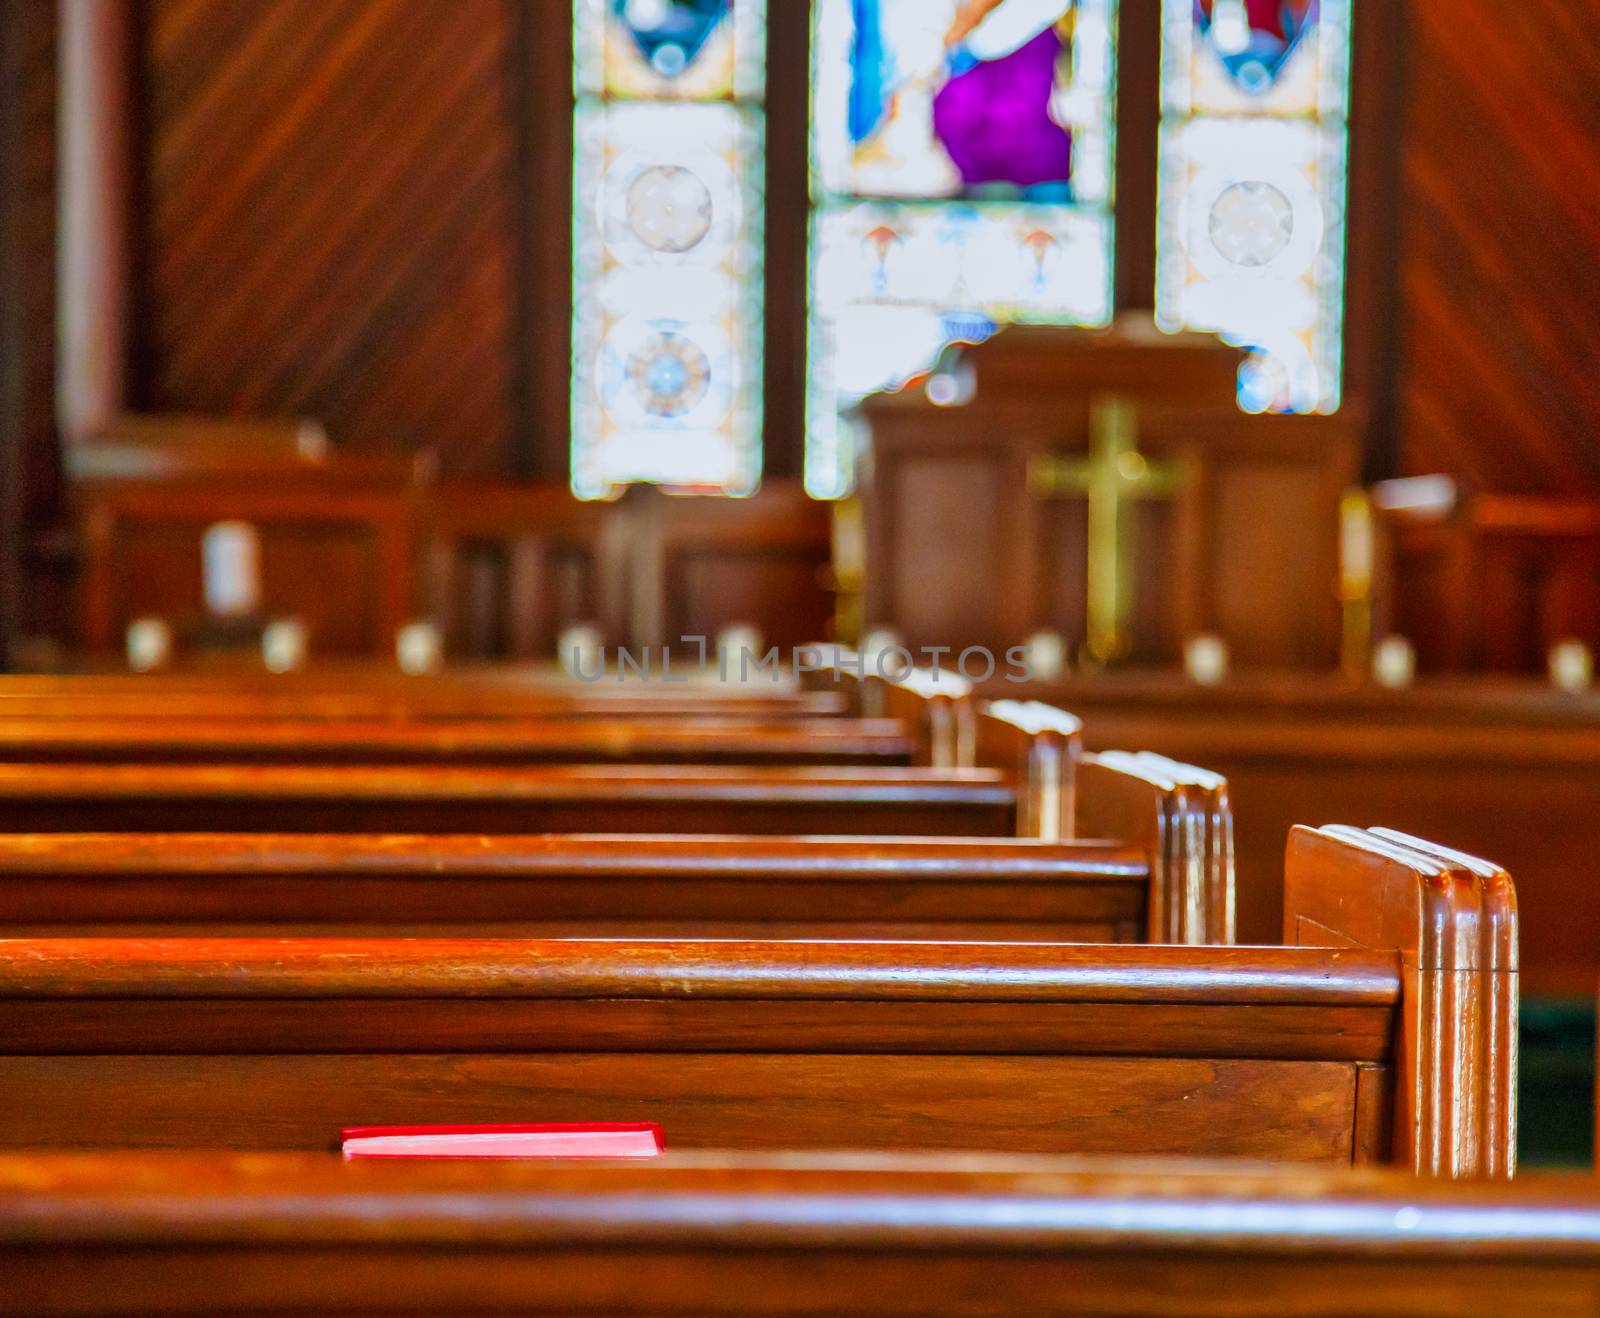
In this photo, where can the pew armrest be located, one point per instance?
(1041, 745)
(1452, 920)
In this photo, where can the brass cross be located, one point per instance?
(1113, 474)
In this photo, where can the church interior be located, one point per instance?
(799, 656)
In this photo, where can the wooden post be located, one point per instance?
(93, 130)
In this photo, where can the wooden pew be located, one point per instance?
(191, 798)
(284, 1234)
(672, 740)
(573, 886)
(368, 692)
(1388, 1036)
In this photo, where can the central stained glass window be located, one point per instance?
(667, 225)
(961, 176)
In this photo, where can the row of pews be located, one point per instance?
(938, 1013)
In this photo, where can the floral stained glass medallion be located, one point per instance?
(666, 242)
(961, 179)
(1252, 209)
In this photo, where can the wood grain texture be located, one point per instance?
(1243, 1052)
(1499, 245)
(1502, 768)
(329, 217)
(1453, 918)
(569, 886)
(46, 798)
(501, 741)
(811, 1234)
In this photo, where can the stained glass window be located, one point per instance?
(1252, 199)
(961, 179)
(667, 227)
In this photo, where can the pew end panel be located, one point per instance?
(1041, 746)
(1453, 919)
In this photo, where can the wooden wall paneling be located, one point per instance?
(12, 330)
(95, 199)
(509, 566)
(788, 250)
(1372, 237)
(759, 562)
(29, 479)
(329, 219)
(1501, 245)
(541, 82)
(1137, 145)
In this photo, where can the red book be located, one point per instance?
(641, 1139)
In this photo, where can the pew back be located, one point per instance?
(558, 886)
(820, 1234)
(1275, 1053)
(46, 798)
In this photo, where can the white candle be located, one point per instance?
(149, 643)
(581, 650)
(1046, 653)
(230, 558)
(883, 654)
(1205, 659)
(418, 648)
(1571, 666)
(1394, 663)
(738, 648)
(283, 645)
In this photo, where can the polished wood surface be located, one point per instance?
(1247, 547)
(502, 569)
(367, 690)
(1453, 918)
(682, 739)
(1236, 1052)
(1387, 1034)
(571, 886)
(1499, 768)
(1491, 582)
(340, 560)
(189, 798)
(819, 1233)
(1463, 378)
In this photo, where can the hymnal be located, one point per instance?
(565, 1140)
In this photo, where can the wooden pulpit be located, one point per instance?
(1104, 485)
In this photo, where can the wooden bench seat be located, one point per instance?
(394, 698)
(1391, 1040)
(572, 885)
(44, 798)
(672, 740)
(818, 1234)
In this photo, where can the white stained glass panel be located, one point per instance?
(667, 302)
(961, 175)
(670, 49)
(1251, 225)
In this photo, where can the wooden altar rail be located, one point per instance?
(1488, 582)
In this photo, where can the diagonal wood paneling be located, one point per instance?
(327, 219)
(1500, 272)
